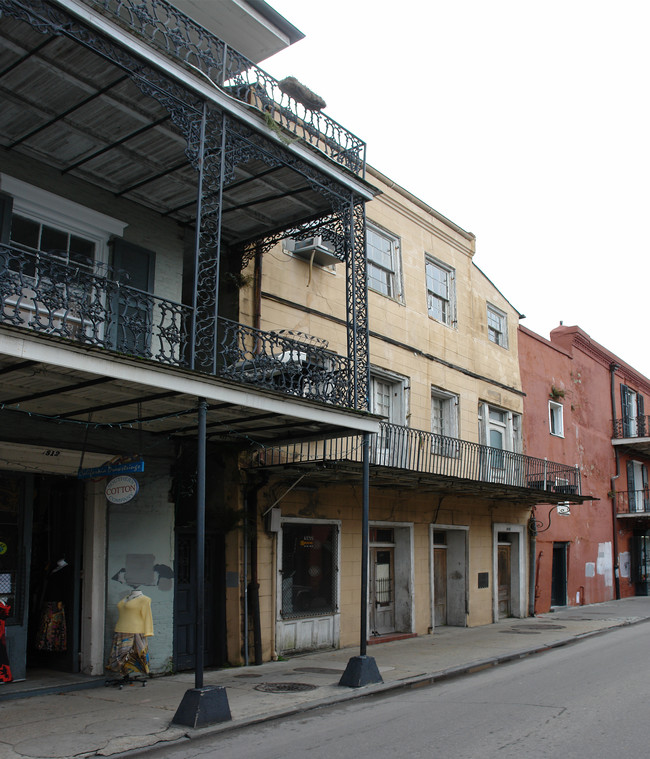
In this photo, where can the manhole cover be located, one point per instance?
(521, 632)
(284, 687)
(249, 674)
(319, 671)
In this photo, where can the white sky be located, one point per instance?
(524, 123)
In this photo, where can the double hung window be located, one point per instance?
(383, 262)
(497, 325)
(441, 303)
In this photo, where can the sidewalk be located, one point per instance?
(101, 721)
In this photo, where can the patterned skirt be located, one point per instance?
(53, 632)
(129, 654)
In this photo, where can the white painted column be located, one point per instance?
(93, 591)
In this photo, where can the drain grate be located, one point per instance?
(248, 674)
(541, 626)
(319, 671)
(284, 687)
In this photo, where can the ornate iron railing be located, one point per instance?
(633, 501)
(280, 361)
(44, 293)
(177, 35)
(638, 426)
(414, 450)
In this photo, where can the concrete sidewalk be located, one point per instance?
(101, 721)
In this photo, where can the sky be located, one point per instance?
(524, 123)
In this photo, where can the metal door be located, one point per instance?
(440, 585)
(382, 591)
(503, 560)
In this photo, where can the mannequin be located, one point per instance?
(130, 650)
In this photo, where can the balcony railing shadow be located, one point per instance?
(45, 294)
(404, 448)
(633, 501)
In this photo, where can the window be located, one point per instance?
(499, 429)
(383, 263)
(497, 322)
(309, 560)
(556, 418)
(388, 399)
(637, 487)
(444, 421)
(440, 292)
(634, 420)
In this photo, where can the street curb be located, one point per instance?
(415, 681)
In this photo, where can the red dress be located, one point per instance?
(5, 670)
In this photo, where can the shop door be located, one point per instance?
(440, 585)
(382, 591)
(55, 577)
(185, 601)
(559, 575)
(503, 560)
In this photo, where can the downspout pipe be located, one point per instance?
(532, 572)
(612, 382)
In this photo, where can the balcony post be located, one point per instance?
(362, 669)
(201, 705)
(197, 235)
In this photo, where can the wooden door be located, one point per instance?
(382, 591)
(503, 562)
(440, 586)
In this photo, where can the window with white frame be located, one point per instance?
(499, 428)
(388, 399)
(382, 250)
(441, 291)
(444, 422)
(632, 409)
(497, 324)
(556, 418)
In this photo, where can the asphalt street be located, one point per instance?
(579, 702)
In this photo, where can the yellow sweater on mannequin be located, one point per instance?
(135, 616)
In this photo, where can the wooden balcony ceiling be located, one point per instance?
(633, 444)
(394, 478)
(73, 399)
(63, 105)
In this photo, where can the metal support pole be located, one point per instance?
(200, 545)
(362, 669)
(197, 237)
(364, 544)
(201, 705)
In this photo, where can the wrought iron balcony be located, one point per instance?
(165, 27)
(633, 502)
(635, 427)
(404, 448)
(43, 293)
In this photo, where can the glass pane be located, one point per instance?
(308, 578)
(82, 252)
(54, 241)
(496, 439)
(25, 232)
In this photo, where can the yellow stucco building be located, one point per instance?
(450, 492)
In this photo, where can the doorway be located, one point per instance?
(382, 590)
(503, 582)
(41, 525)
(185, 600)
(448, 564)
(559, 575)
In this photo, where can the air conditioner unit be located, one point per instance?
(313, 249)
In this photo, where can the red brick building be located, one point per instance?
(585, 406)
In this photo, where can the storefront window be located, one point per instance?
(10, 542)
(308, 569)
